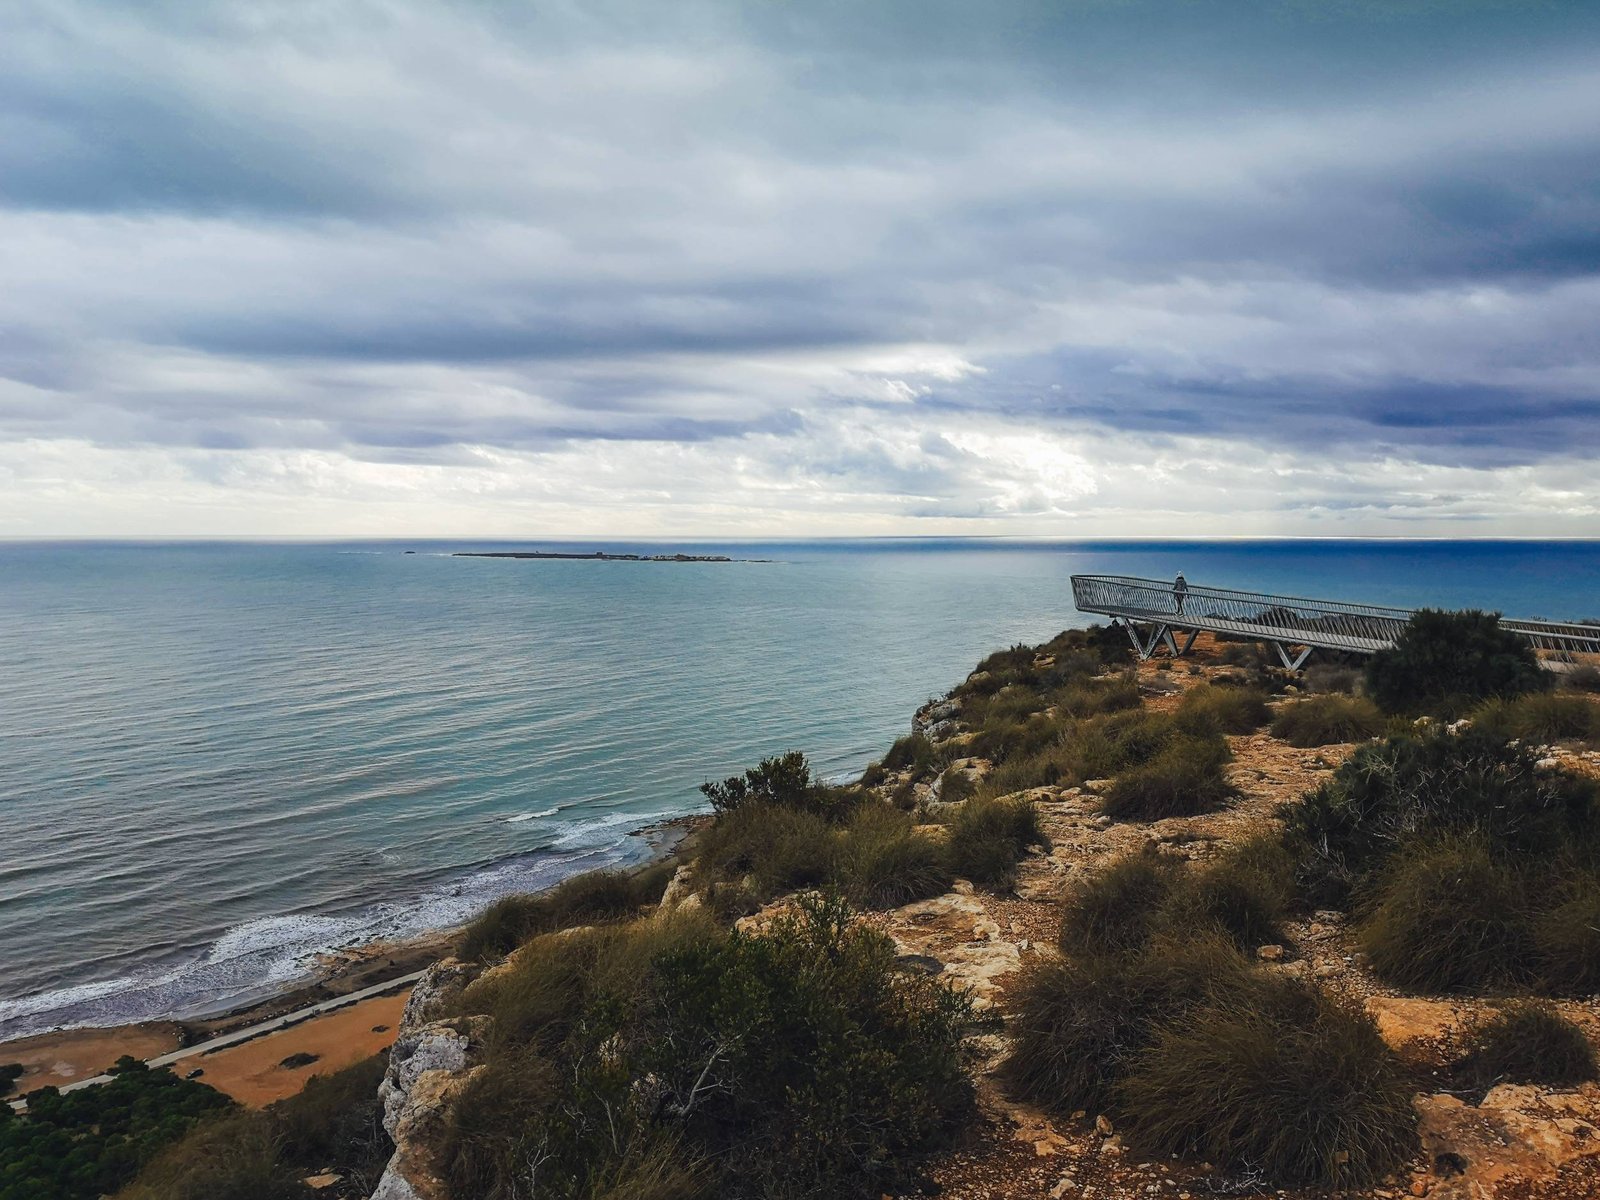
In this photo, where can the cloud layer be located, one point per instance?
(1084, 268)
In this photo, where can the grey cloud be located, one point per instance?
(405, 231)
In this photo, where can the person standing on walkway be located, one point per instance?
(1180, 589)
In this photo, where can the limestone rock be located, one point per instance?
(440, 1047)
(1518, 1136)
(415, 1172)
(1269, 953)
(1414, 1028)
(680, 889)
(955, 930)
(436, 992)
(430, 1062)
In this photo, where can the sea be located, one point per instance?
(220, 761)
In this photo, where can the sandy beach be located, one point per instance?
(276, 1065)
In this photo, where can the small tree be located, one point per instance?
(785, 781)
(1449, 660)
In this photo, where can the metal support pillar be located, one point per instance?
(1160, 634)
(1295, 663)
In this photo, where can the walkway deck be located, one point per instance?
(1291, 623)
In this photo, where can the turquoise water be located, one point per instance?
(217, 760)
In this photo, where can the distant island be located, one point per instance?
(602, 556)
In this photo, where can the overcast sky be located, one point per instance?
(1073, 267)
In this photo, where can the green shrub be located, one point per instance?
(1092, 698)
(1245, 893)
(955, 785)
(1566, 935)
(584, 899)
(1431, 783)
(777, 849)
(1328, 720)
(1100, 747)
(9, 1074)
(1583, 678)
(1447, 916)
(988, 834)
(884, 862)
(1242, 654)
(231, 1158)
(1529, 1042)
(805, 1062)
(1185, 779)
(913, 753)
(673, 1060)
(1539, 718)
(1207, 709)
(1119, 908)
(1078, 1022)
(1278, 1080)
(1446, 661)
(785, 781)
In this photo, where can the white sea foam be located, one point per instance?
(255, 959)
(533, 816)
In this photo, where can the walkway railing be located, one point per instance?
(1285, 621)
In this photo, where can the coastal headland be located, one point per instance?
(1037, 732)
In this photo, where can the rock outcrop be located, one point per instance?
(431, 1061)
(1518, 1137)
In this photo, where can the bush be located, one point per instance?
(1431, 783)
(671, 1060)
(1206, 709)
(1583, 678)
(1327, 720)
(1079, 1021)
(1280, 1081)
(231, 1158)
(1183, 780)
(1092, 698)
(955, 785)
(1446, 661)
(884, 862)
(989, 834)
(1119, 908)
(1446, 917)
(1545, 717)
(9, 1074)
(581, 900)
(1566, 935)
(1528, 1042)
(913, 753)
(785, 781)
(1245, 893)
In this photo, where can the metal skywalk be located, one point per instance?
(1294, 625)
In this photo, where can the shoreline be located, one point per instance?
(74, 1054)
